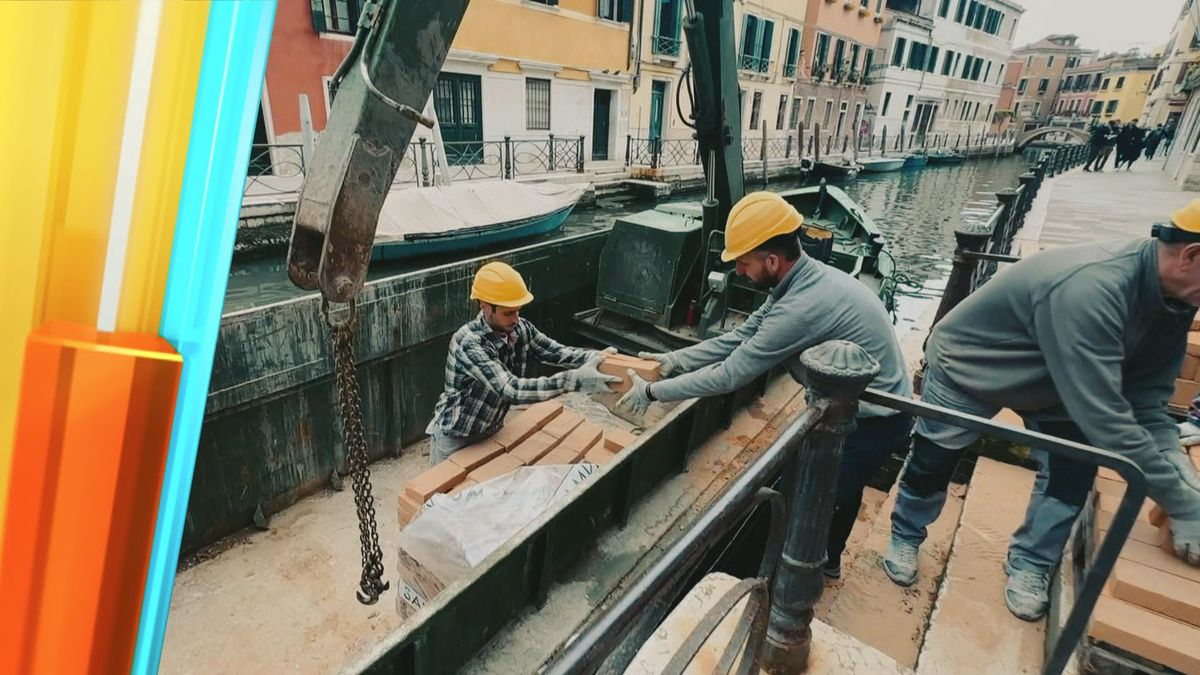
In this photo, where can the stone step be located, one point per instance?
(971, 630)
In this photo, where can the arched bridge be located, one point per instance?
(1052, 134)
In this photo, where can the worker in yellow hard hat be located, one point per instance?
(809, 303)
(1085, 342)
(489, 359)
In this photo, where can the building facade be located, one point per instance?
(942, 63)
(1045, 63)
(1182, 155)
(572, 80)
(1124, 84)
(838, 44)
(1181, 55)
(1079, 90)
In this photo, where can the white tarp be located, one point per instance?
(466, 206)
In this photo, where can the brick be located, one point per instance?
(418, 585)
(1191, 364)
(466, 483)
(583, 437)
(477, 454)
(1108, 473)
(1142, 531)
(564, 424)
(559, 455)
(1158, 591)
(527, 423)
(1153, 556)
(619, 365)
(1109, 503)
(598, 455)
(406, 509)
(1158, 638)
(616, 440)
(499, 466)
(439, 478)
(1113, 488)
(533, 448)
(1185, 391)
(1193, 344)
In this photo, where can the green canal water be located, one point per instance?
(917, 210)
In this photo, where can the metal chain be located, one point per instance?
(371, 585)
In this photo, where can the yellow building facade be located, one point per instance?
(1124, 87)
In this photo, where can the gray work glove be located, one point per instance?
(588, 378)
(667, 362)
(1189, 434)
(1186, 534)
(635, 402)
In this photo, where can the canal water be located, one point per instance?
(917, 211)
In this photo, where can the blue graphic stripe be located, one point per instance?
(227, 99)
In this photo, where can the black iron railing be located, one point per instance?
(665, 45)
(274, 169)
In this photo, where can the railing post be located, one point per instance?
(579, 156)
(1009, 222)
(508, 159)
(550, 154)
(655, 152)
(628, 147)
(837, 372)
(787, 151)
(1027, 193)
(424, 166)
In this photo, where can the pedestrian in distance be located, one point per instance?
(1084, 342)
(487, 364)
(1168, 137)
(1101, 144)
(1129, 145)
(1153, 139)
(809, 303)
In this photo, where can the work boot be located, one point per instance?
(832, 569)
(1027, 593)
(900, 563)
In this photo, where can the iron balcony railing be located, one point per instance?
(754, 64)
(803, 462)
(665, 45)
(789, 70)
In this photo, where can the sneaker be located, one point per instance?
(1027, 593)
(832, 569)
(900, 563)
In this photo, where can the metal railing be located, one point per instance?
(274, 169)
(754, 64)
(804, 461)
(665, 45)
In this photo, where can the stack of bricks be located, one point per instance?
(620, 365)
(546, 433)
(1151, 605)
(1187, 385)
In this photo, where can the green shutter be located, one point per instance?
(318, 15)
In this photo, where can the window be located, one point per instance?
(931, 62)
(1110, 107)
(616, 10)
(756, 43)
(1050, 61)
(854, 52)
(794, 119)
(1043, 85)
(971, 10)
(988, 71)
(809, 107)
(666, 28)
(1097, 106)
(1022, 84)
(839, 54)
(537, 104)
(793, 53)
(1158, 78)
(944, 9)
(1120, 83)
(898, 52)
(779, 117)
(1000, 74)
(966, 71)
(1096, 82)
(887, 100)
(978, 66)
(958, 13)
(868, 62)
(916, 55)
(828, 113)
(991, 25)
(1029, 61)
(1067, 82)
(957, 58)
(1072, 61)
(988, 115)
(841, 125)
(1037, 108)
(1104, 86)
(822, 52)
(948, 63)
(340, 16)
(755, 109)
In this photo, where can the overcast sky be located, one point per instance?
(1107, 25)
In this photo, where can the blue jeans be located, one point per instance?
(1058, 495)
(441, 446)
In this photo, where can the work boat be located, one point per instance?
(446, 218)
(881, 164)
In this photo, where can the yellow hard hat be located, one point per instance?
(499, 284)
(756, 218)
(1188, 218)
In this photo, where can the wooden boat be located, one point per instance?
(836, 169)
(946, 157)
(917, 160)
(445, 218)
(881, 164)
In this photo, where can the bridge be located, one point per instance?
(1052, 133)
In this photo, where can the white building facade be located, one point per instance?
(941, 65)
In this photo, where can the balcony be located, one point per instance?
(789, 70)
(753, 64)
(664, 45)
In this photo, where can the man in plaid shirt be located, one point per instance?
(488, 360)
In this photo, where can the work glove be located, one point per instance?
(589, 379)
(635, 402)
(668, 364)
(1186, 536)
(1189, 434)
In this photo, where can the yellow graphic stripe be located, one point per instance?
(164, 148)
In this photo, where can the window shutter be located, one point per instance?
(318, 15)
(625, 13)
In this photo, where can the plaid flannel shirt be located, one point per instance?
(485, 376)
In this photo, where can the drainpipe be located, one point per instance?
(635, 45)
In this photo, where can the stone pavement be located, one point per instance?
(1078, 207)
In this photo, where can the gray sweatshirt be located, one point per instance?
(813, 303)
(1081, 333)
